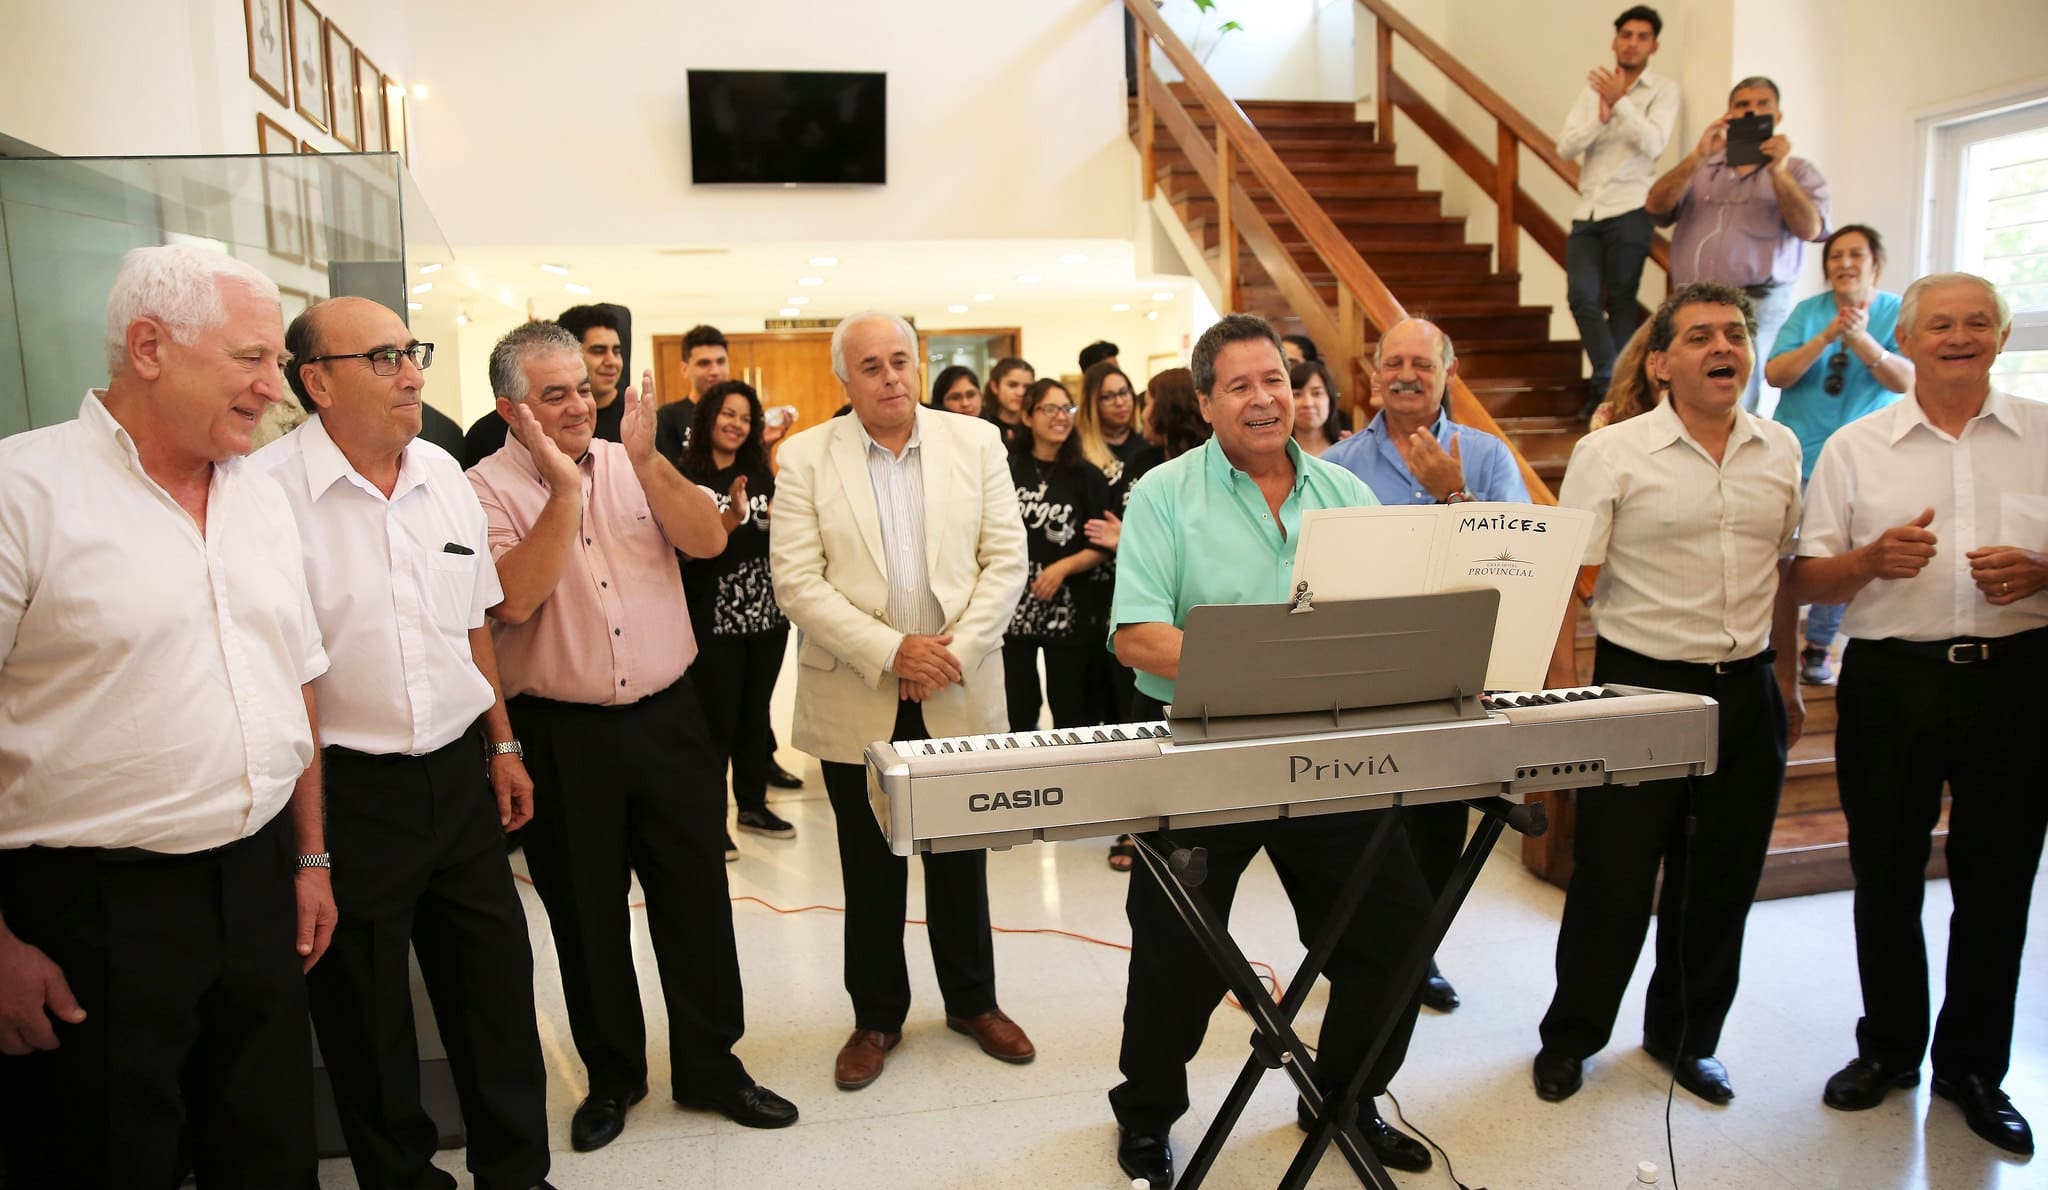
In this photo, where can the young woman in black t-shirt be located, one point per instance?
(1002, 399)
(1057, 492)
(741, 632)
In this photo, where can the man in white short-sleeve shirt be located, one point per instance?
(1694, 506)
(1931, 518)
(157, 650)
(422, 774)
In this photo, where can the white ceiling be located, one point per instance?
(921, 278)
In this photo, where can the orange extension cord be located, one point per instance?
(1272, 979)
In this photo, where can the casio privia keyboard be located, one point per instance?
(1002, 789)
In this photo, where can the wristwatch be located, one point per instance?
(511, 746)
(1461, 496)
(322, 860)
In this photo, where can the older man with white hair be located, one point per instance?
(163, 873)
(898, 552)
(1930, 519)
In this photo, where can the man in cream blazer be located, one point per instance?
(898, 552)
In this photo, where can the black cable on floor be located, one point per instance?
(1448, 1171)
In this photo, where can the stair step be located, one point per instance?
(1197, 203)
(1516, 396)
(1367, 235)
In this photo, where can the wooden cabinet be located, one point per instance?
(785, 368)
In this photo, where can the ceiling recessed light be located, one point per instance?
(1074, 258)
(1152, 316)
(1027, 278)
(798, 300)
(508, 297)
(419, 90)
(790, 312)
(462, 320)
(429, 269)
(824, 262)
(956, 309)
(572, 287)
(414, 306)
(810, 280)
(423, 287)
(1120, 307)
(559, 270)
(984, 297)
(1164, 295)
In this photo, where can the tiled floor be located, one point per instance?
(945, 1116)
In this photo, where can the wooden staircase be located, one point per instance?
(1528, 382)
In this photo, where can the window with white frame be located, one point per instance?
(1991, 218)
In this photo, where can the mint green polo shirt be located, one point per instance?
(1198, 531)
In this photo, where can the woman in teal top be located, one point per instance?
(1834, 362)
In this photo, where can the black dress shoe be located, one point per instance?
(1863, 1083)
(600, 1119)
(751, 1106)
(1558, 1076)
(1437, 993)
(1143, 1155)
(1701, 1074)
(782, 778)
(1991, 1115)
(1396, 1149)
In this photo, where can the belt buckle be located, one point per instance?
(1958, 655)
(1722, 667)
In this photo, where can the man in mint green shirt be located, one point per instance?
(1219, 525)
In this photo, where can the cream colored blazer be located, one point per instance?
(825, 551)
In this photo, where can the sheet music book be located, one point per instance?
(1530, 553)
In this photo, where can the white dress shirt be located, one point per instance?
(1688, 549)
(1618, 159)
(395, 602)
(899, 496)
(149, 676)
(1988, 487)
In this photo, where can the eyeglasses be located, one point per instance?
(1057, 410)
(384, 360)
(1838, 365)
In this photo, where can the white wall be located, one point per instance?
(1286, 49)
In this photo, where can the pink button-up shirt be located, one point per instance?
(615, 628)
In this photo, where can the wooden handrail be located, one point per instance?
(1513, 125)
(1362, 296)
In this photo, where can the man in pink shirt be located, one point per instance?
(593, 637)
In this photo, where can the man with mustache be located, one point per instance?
(1413, 453)
(593, 637)
(1694, 506)
(1933, 515)
(423, 775)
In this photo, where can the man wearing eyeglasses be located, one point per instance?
(422, 771)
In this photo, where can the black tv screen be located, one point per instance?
(764, 127)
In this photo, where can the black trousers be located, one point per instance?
(419, 865)
(1709, 835)
(194, 1052)
(1070, 682)
(877, 889)
(1173, 988)
(618, 791)
(1906, 726)
(735, 678)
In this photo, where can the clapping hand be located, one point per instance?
(735, 513)
(1440, 473)
(557, 470)
(1105, 530)
(636, 425)
(1609, 85)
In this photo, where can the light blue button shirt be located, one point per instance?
(1490, 470)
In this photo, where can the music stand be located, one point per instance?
(1254, 670)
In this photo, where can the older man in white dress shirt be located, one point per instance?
(422, 773)
(1930, 518)
(1694, 506)
(157, 650)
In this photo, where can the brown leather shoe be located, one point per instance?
(860, 1059)
(997, 1034)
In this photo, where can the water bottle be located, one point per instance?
(1646, 1175)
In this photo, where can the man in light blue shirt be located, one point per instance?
(1220, 524)
(1412, 452)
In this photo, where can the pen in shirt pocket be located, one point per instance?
(456, 548)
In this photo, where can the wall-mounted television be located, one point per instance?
(788, 127)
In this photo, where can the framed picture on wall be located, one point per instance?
(370, 103)
(394, 119)
(284, 217)
(272, 137)
(341, 88)
(270, 55)
(316, 210)
(309, 64)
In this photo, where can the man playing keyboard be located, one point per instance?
(1214, 526)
